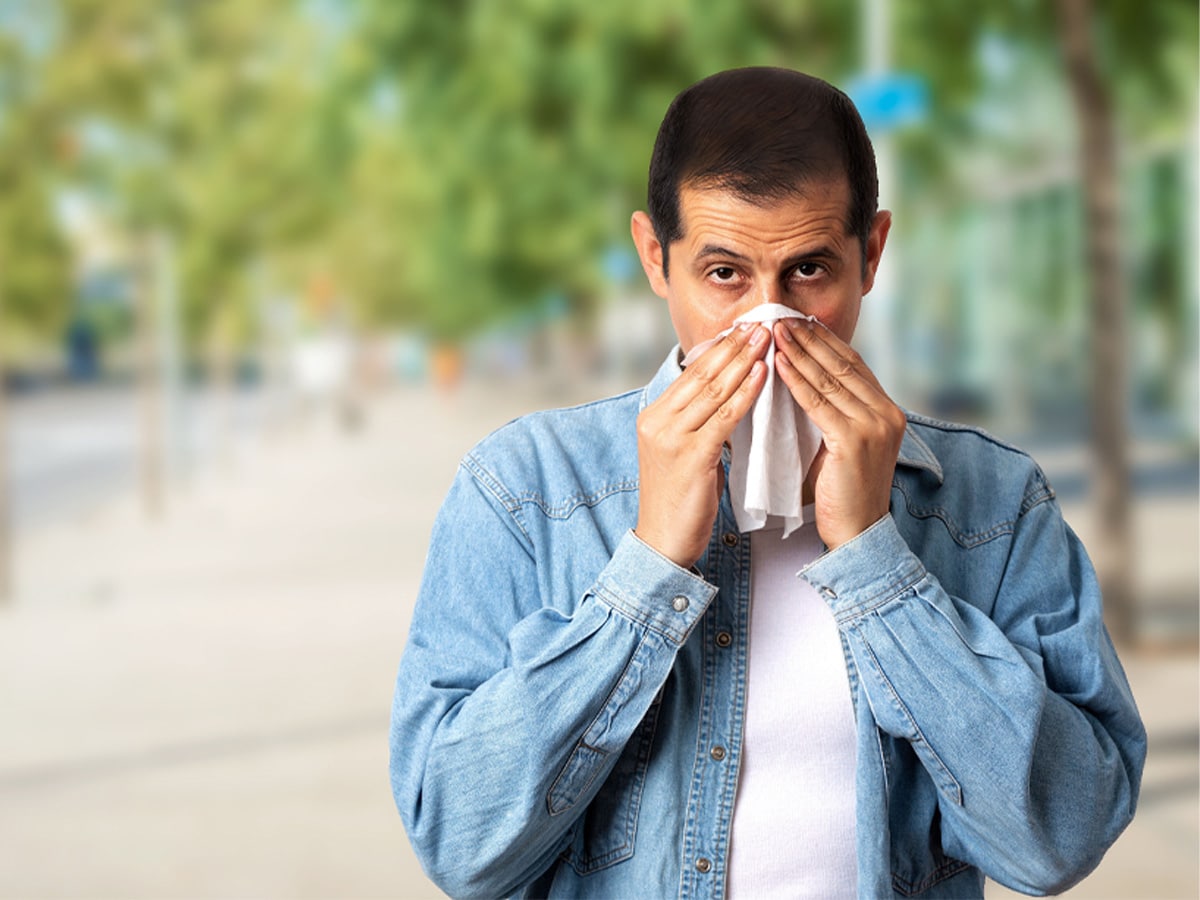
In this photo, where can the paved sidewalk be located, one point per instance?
(198, 707)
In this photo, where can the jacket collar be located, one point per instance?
(667, 372)
(914, 452)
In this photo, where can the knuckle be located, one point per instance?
(648, 428)
(846, 368)
(700, 370)
(879, 432)
(828, 385)
(726, 413)
(713, 391)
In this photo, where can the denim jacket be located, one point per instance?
(569, 708)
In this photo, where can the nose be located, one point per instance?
(768, 290)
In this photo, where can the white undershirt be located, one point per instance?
(793, 820)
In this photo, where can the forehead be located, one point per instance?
(816, 210)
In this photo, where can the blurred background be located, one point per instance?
(268, 268)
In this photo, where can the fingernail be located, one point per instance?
(746, 326)
(787, 335)
(759, 337)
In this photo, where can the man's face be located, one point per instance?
(735, 255)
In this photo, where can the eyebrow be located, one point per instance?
(822, 253)
(716, 250)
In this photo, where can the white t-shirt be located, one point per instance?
(793, 819)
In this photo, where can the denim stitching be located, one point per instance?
(903, 583)
(952, 427)
(585, 864)
(1036, 498)
(965, 539)
(490, 483)
(612, 595)
(916, 729)
(557, 808)
(946, 870)
(564, 509)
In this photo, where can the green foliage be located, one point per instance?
(450, 164)
(35, 264)
(529, 126)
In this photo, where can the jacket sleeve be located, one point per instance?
(509, 713)
(1023, 718)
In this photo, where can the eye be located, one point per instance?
(725, 277)
(808, 270)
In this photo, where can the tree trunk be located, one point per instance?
(1113, 553)
(149, 384)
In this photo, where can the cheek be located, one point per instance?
(696, 321)
(840, 318)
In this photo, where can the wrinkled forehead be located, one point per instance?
(820, 197)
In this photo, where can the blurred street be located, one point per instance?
(78, 447)
(198, 706)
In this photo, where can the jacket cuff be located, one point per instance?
(865, 572)
(645, 586)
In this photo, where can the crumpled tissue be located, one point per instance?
(772, 447)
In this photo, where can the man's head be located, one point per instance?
(762, 134)
(762, 190)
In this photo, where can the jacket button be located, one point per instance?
(731, 539)
(717, 753)
(703, 865)
(680, 603)
(724, 638)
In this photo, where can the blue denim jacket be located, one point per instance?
(564, 686)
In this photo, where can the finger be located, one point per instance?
(832, 367)
(831, 353)
(709, 381)
(836, 410)
(719, 425)
(827, 415)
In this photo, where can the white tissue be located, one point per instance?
(773, 447)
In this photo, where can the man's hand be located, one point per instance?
(680, 436)
(851, 477)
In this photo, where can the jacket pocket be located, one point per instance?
(604, 834)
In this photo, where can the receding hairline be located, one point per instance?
(803, 189)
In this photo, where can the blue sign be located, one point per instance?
(890, 101)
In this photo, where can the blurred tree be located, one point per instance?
(1129, 69)
(211, 131)
(34, 148)
(527, 129)
(449, 165)
(219, 124)
(527, 125)
(35, 288)
(1109, 312)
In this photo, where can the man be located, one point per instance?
(611, 690)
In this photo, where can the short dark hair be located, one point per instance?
(763, 133)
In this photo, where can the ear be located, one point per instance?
(880, 227)
(649, 251)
